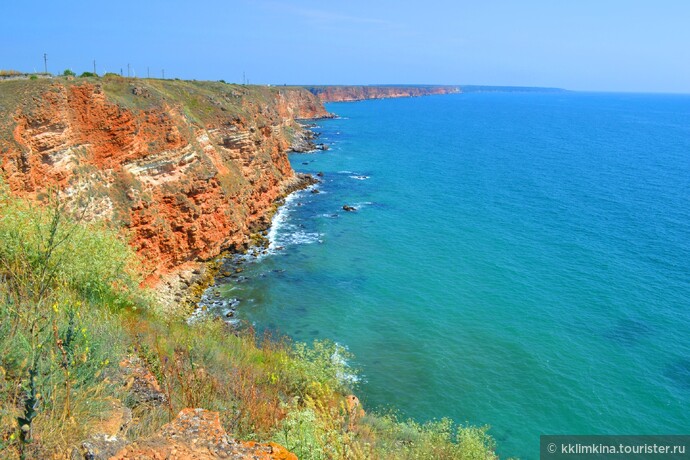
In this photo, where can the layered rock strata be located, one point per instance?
(185, 169)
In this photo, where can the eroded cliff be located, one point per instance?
(359, 93)
(185, 168)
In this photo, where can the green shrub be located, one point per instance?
(302, 434)
(87, 74)
(68, 73)
(44, 249)
(59, 347)
(475, 443)
(321, 366)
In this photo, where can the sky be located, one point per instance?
(603, 45)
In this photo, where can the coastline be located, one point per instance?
(215, 189)
(354, 93)
(191, 287)
(227, 268)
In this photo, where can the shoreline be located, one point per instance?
(183, 291)
(230, 266)
(202, 296)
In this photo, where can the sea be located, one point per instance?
(517, 260)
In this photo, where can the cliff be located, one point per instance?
(186, 169)
(358, 93)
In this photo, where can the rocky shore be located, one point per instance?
(197, 290)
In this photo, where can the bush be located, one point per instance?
(87, 74)
(41, 251)
(58, 347)
(68, 73)
(320, 367)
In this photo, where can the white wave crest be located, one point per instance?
(284, 233)
(337, 358)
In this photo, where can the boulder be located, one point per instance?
(197, 434)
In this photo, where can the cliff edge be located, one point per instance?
(359, 93)
(186, 169)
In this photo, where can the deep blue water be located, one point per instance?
(517, 260)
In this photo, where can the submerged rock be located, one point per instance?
(348, 208)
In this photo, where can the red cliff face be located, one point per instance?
(185, 168)
(358, 93)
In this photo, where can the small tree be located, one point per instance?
(87, 74)
(68, 73)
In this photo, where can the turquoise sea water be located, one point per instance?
(517, 260)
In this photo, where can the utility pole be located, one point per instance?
(127, 70)
(121, 74)
(94, 67)
(163, 74)
(148, 74)
(244, 78)
(45, 63)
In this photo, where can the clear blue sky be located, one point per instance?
(604, 45)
